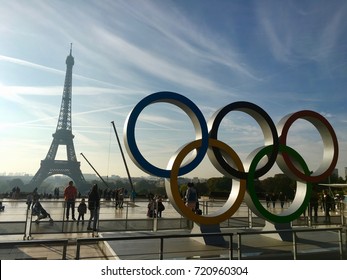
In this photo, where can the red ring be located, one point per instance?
(331, 150)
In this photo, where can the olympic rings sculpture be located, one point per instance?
(226, 160)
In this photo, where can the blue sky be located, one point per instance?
(284, 56)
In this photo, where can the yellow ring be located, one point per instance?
(235, 197)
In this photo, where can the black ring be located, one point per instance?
(265, 123)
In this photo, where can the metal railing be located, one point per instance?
(225, 252)
(8, 246)
(17, 219)
(161, 238)
(163, 249)
(294, 238)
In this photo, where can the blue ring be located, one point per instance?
(187, 106)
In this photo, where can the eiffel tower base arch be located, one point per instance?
(59, 167)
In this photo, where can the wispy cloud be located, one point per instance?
(57, 71)
(151, 64)
(191, 38)
(284, 57)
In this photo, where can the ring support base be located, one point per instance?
(284, 236)
(215, 240)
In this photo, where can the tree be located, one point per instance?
(145, 187)
(202, 189)
(279, 183)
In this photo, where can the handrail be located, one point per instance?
(63, 242)
(83, 241)
(294, 242)
(161, 238)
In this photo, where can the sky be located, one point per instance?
(284, 56)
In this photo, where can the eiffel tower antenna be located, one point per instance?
(62, 137)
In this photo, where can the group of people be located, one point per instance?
(155, 207)
(326, 203)
(324, 200)
(191, 199)
(15, 192)
(70, 195)
(119, 197)
(272, 199)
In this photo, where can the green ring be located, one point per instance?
(294, 211)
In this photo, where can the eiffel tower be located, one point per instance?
(63, 136)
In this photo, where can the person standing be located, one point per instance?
(133, 195)
(282, 199)
(268, 200)
(191, 197)
(121, 198)
(160, 206)
(93, 206)
(151, 208)
(273, 199)
(313, 210)
(328, 203)
(70, 194)
(29, 201)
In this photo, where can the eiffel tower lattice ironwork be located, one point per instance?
(63, 136)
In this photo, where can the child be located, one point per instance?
(82, 209)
